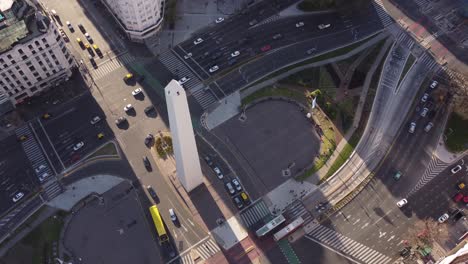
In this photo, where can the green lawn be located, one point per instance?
(271, 91)
(457, 133)
(340, 160)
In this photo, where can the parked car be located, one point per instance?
(93, 62)
(149, 139)
(229, 188)
(18, 196)
(300, 24)
(80, 43)
(237, 200)
(82, 29)
(424, 111)
(152, 192)
(70, 27)
(456, 169)
(443, 218)
(434, 84)
(95, 120)
(218, 173)
(149, 109)
(265, 48)
(89, 38)
(277, 36)
(198, 41)
(78, 146)
(214, 68)
(425, 97)
(173, 215)
(219, 20)
(428, 127)
(458, 197)
(146, 162)
(120, 120)
(235, 54)
(137, 91)
(208, 160)
(460, 185)
(397, 175)
(310, 51)
(236, 184)
(253, 22)
(412, 127)
(128, 107)
(402, 203)
(189, 55)
(245, 198)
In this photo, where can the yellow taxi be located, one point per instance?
(100, 136)
(128, 77)
(23, 138)
(46, 116)
(461, 185)
(87, 46)
(80, 43)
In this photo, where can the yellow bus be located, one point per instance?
(158, 223)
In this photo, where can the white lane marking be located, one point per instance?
(365, 225)
(357, 221)
(382, 234)
(184, 228)
(190, 222)
(331, 249)
(392, 237)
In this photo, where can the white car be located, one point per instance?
(456, 169)
(412, 127)
(218, 173)
(214, 68)
(428, 126)
(425, 97)
(18, 196)
(433, 84)
(173, 215)
(95, 120)
(324, 26)
(184, 80)
(78, 146)
(443, 218)
(310, 51)
(40, 168)
(188, 55)
(198, 41)
(128, 107)
(424, 111)
(88, 37)
(43, 176)
(137, 91)
(219, 20)
(235, 54)
(299, 24)
(69, 25)
(402, 203)
(236, 184)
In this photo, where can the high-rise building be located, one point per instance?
(33, 55)
(139, 19)
(183, 138)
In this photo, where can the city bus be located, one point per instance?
(268, 227)
(158, 223)
(288, 229)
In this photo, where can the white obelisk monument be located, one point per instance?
(183, 138)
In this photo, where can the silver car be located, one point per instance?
(412, 127)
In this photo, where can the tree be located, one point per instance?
(459, 90)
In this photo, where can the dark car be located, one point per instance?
(152, 192)
(146, 162)
(238, 201)
(93, 62)
(82, 29)
(208, 160)
(149, 140)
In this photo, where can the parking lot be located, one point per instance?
(117, 230)
(275, 136)
(16, 174)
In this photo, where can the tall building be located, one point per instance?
(139, 19)
(33, 55)
(183, 138)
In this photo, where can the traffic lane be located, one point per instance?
(307, 250)
(16, 173)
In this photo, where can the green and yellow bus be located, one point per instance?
(158, 223)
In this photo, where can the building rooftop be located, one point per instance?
(19, 22)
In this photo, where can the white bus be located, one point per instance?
(288, 229)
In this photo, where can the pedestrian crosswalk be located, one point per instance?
(254, 213)
(324, 235)
(429, 62)
(296, 210)
(111, 65)
(385, 18)
(421, 3)
(435, 167)
(204, 97)
(405, 40)
(34, 153)
(52, 189)
(179, 69)
(204, 250)
(268, 20)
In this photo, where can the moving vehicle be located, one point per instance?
(89, 38)
(310, 51)
(128, 107)
(188, 55)
(323, 26)
(288, 229)
(443, 218)
(218, 173)
(198, 41)
(397, 175)
(214, 68)
(152, 192)
(184, 80)
(82, 46)
(402, 203)
(265, 48)
(456, 169)
(412, 127)
(95, 120)
(146, 162)
(78, 146)
(235, 54)
(158, 224)
(173, 215)
(458, 197)
(461, 185)
(208, 161)
(93, 62)
(46, 116)
(18, 196)
(97, 50)
(253, 22)
(428, 126)
(277, 36)
(40, 168)
(82, 29)
(100, 135)
(70, 27)
(23, 138)
(299, 24)
(219, 20)
(43, 176)
(245, 198)
(137, 91)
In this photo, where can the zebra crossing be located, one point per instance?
(52, 189)
(179, 69)
(34, 153)
(385, 18)
(204, 97)
(268, 20)
(203, 251)
(254, 213)
(111, 65)
(421, 3)
(405, 40)
(428, 61)
(435, 167)
(296, 210)
(324, 235)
